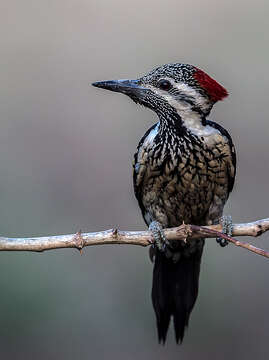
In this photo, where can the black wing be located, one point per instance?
(139, 171)
(232, 167)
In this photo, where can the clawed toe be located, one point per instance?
(222, 242)
(227, 228)
(159, 238)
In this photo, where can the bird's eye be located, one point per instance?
(164, 84)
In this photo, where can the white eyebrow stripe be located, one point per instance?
(200, 100)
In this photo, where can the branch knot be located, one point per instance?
(79, 241)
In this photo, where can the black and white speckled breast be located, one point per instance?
(182, 178)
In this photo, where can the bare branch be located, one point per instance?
(142, 238)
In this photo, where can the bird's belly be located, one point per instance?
(179, 196)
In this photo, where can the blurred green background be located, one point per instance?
(65, 158)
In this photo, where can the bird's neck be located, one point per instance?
(182, 122)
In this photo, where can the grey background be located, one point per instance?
(65, 158)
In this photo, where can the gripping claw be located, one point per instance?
(227, 228)
(159, 238)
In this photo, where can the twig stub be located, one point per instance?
(79, 241)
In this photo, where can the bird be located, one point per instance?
(183, 172)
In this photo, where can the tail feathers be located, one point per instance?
(174, 292)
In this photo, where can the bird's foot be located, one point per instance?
(158, 234)
(227, 229)
(161, 243)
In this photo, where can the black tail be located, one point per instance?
(174, 291)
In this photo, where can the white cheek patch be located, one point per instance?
(190, 118)
(189, 91)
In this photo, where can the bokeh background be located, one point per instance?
(65, 158)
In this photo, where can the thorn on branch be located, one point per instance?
(115, 233)
(185, 231)
(188, 232)
(79, 241)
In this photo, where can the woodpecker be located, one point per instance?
(184, 169)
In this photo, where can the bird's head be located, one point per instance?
(179, 88)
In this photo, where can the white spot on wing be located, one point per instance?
(151, 136)
(148, 140)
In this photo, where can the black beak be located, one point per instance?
(128, 87)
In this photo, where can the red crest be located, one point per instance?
(215, 91)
